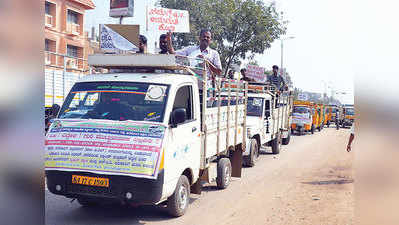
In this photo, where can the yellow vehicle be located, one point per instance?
(302, 118)
(329, 113)
(348, 116)
(324, 115)
(317, 121)
(334, 109)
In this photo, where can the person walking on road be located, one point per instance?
(351, 137)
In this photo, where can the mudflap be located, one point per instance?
(236, 161)
(196, 188)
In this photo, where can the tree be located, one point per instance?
(239, 27)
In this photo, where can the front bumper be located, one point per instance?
(144, 191)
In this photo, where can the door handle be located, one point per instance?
(194, 129)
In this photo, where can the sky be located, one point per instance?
(320, 56)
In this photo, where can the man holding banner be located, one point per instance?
(201, 51)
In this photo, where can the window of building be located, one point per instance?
(48, 8)
(73, 17)
(47, 45)
(72, 51)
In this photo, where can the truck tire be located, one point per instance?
(223, 173)
(312, 129)
(276, 145)
(328, 124)
(253, 154)
(286, 140)
(179, 200)
(319, 128)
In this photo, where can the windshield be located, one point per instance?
(350, 111)
(115, 101)
(334, 110)
(301, 109)
(255, 106)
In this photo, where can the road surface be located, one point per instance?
(309, 182)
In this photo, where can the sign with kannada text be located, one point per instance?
(120, 8)
(164, 20)
(106, 147)
(257, 73)
(112, 37)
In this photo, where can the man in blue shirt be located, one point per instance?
(277, 80)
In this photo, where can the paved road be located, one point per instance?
(309, 182)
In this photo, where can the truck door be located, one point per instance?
(185, 136)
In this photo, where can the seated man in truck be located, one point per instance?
(109, 107)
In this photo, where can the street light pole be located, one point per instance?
(282, 54)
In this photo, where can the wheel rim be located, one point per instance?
(227, 175)
(183, 197)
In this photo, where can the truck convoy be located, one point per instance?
(268, 123)
(146, 133)
(302, 117)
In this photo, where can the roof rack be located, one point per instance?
(127, 62)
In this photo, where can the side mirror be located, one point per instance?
(55, 108)
(178, 116)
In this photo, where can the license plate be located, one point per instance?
(90, 181)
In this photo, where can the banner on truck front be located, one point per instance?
(106, 147)
(257, 73)
(164, 20)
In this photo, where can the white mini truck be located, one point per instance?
(268, 121)
(144, 134)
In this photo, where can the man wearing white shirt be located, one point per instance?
(201, 51)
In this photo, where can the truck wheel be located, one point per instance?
(276, 145)
(223, 173)
(179, 200)
(87, 202)
(312, 129)
(286, 140)
(319, 129)
(253, 154)
(328, 124)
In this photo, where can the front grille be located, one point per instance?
(89, 190)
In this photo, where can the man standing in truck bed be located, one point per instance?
(201, 51)
(276, 80)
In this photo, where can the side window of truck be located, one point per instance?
(184, 99)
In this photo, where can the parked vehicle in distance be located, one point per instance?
(302, 118)
(348, 116)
